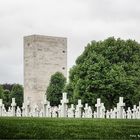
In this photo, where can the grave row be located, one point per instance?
(78, 111)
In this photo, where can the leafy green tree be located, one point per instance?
(55, 88)
(1, 92)
(107, 69)
(69, 90)
(6, 99)
(17, 93)
(7, 86)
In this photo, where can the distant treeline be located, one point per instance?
(9, 91)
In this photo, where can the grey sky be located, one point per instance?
(79, 20)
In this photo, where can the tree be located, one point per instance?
(1, 92)
(6, 99)
(55, 88)
(69, 90)
(7, 86)
(17, 93)
(107, 69)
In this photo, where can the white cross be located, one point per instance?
(134, 108)
(13, 102)
(72, 107)
(129, 113)
(89, 112)
(0, 102)
(78, 112)
(102, 110)
(48, 110)
(121, 103)
(86, 109)
(139, 111)
(139, 107)
(23, 110)
(115, 112)
(134, 111)
(86, 106)
(13, 107)
(28, 108)
(80, 104)
(120, 106)
(64, 102)
(44, 105)
(64, 98)
(98, 106)
(1, 107)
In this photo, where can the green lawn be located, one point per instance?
(51, 128)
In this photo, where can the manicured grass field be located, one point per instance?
(51, 128)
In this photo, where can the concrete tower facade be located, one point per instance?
(43, 56)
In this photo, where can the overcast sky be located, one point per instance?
(81, 21)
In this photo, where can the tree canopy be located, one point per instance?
(107, 69)
(6, 98)
(55, 88)
(17, 93)
(9, 91)
(7, 86)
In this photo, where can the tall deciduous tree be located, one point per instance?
(17, 93)
(107, 69)
(55, 88)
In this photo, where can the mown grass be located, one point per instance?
(60, 128)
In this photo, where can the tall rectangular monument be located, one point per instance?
(43, 56)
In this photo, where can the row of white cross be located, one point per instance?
(79, 111)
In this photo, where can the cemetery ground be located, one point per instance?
(66, 128)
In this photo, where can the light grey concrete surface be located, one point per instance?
(43, 56)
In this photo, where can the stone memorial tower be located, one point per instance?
(43, 56)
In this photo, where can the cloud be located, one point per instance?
(79, 20)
